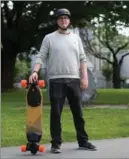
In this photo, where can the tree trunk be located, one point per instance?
(116, 75)
(8, 58)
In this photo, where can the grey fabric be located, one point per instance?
(90, 93)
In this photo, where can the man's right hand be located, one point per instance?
(33, 77)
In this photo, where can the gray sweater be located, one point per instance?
(63, 53)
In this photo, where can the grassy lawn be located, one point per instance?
(100, 123)
(104, 96)
(112, 96)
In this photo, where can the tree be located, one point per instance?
(106, 44)
(19, 27)
(25, 23)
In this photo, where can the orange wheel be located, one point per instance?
(41, 83)
(42, 148)
(24, 83)
(23, 148)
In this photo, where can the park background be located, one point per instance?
(104, 30)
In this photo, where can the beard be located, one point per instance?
(63, 28)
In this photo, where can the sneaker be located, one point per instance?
(55, 149)
(87, 146)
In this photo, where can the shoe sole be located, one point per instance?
(55, 151)
(83, 148)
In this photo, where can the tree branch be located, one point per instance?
(121, 47)
(98, 55)
(18, 7)
(109, 47)
(93, 51)
(122, 58)
(101, 41)
(103, 58)
(107, 42)
(6, 12)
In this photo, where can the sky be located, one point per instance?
(124, 31)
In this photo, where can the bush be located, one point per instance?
(22, 69)
(107, 73)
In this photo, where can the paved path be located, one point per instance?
(112, 148)
(109, 106)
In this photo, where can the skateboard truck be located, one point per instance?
(25, 83)
(33, 148)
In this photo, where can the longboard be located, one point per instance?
(33, 116)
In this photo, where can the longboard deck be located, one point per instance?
(34, 114)
(34, 122)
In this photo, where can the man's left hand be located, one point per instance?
(84, 83)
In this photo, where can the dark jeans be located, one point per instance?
(58, 92)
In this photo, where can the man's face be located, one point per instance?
(63, 21)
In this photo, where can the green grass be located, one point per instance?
(104, 96)
(100, 123)
(112, 96)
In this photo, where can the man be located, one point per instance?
(67, 75)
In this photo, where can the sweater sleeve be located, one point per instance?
(43, 53)
(82, 52)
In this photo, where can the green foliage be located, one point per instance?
(33, 19)
(109, 41)
(22, 69)
(107, 72)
